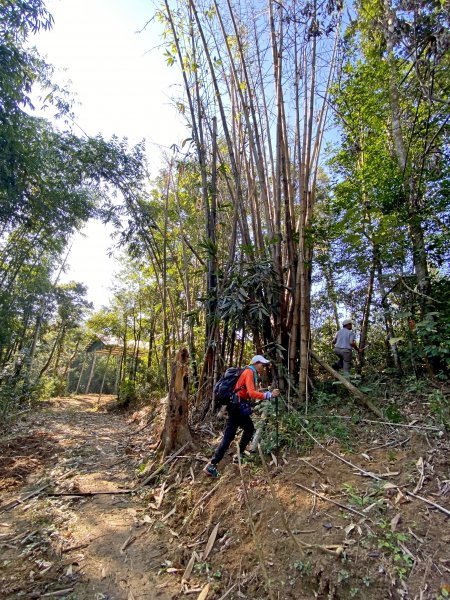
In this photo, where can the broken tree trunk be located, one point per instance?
(176, 430)
(362, 398)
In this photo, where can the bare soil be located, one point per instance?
(247, 535)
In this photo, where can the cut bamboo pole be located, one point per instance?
(362, 398)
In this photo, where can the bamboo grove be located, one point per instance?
(312, 183)
(256, 97)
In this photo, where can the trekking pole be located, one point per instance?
(277, 444)
(276, 427)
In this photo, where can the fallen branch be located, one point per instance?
(100, 493)
(18, 501)
(322, 497)
(376, 477)
(362, 398)
(429, 502)
(161, 467)
(228, 592)
(407, 425)
(390, 445)
(149, 422)
(316, 469)
(128, 542)
(202, 499)
(57, 593)
(83, 543)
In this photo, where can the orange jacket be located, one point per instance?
(247, 382)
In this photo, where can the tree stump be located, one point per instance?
(176, 430)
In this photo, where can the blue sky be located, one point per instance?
(122, 86)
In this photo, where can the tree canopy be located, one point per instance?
(312, 185)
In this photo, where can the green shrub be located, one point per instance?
(50, 387)
(440, 407)
(127, 392)
(292, 425)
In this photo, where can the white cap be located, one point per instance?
(346, 322)
(260, 359)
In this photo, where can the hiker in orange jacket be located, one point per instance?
(239, 412)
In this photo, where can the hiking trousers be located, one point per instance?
(345, 359)
(234, 421)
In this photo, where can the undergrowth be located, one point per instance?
(287, 427)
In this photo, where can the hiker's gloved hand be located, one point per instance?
(267, 395)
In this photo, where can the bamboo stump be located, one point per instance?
(176, 430)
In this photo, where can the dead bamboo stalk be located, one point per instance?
(322, 497)
(362, 398)
(407, 425)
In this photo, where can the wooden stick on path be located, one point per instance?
(34, 493)
(129, 491)
(101, 493)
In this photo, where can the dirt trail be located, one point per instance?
(94, 547)
(185, 533)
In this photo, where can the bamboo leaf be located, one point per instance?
(204, 593)
(211, 540)
(188, 570)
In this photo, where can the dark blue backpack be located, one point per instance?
(224, 388)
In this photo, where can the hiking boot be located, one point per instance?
(211, 471)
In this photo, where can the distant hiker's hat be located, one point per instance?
(346, 322)
(260, 359)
